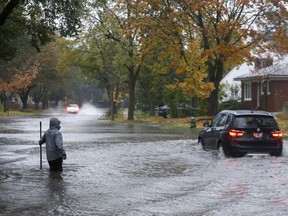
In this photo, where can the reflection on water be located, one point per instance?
(55, 182)
(56, 194)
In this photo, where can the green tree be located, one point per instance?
(48, 80)
(98, 58)
(52, 82)
(38, 19)
(114, 19)
(71, 79)
(79, 65)
(150, 91)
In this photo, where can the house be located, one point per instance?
(230, 84)
(266, 86)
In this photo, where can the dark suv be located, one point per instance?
(239, 132)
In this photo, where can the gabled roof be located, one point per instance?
(279, 70)
(238, 71)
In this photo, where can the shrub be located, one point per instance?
(230, 105)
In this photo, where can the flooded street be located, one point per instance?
(120, 169)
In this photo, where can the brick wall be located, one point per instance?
(272, 102)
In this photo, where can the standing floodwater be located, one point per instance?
(121, 169)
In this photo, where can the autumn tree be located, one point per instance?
(21, 81)
(227, 32)
(18, 75)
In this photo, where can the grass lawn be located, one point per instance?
(165, 123)
(20, 112)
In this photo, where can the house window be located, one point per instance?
(265, 87)
(263, 63)
(247, 91)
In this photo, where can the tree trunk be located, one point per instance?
(2, 98)
(24, 99)
(8, 10)
(45, 104)
(117, 95)
(151, 105)
(131, 102)
(24, 96)
(5, 103)
(215, 73)
(213, 103)
(112, 107)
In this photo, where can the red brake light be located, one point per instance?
(277, 134)
(236, 133)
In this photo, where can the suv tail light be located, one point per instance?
(236, 133)
(277, 134)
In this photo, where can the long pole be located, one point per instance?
(40, 146)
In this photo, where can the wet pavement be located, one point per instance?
(120, 169)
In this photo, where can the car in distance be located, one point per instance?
(163, 111)
(72, 108)
(239, 132)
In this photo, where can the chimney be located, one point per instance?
(263, 62)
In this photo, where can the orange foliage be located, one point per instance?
(159, 33)
(22, 78)
(226, 28)
(280, 41)
(201, 39)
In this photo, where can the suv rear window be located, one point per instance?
(255, 122)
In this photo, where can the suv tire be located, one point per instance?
(226, 150)
(200, 142)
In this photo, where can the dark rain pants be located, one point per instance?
(56, 165)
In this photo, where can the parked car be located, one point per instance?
(239, 132)
(72, 108)
(163, 111)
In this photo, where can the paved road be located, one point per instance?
(119, 169)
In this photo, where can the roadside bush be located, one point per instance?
(230, 105)
(283, 115)
(285, 107)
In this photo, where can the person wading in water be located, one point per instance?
(55, 151)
